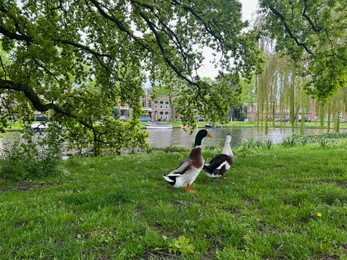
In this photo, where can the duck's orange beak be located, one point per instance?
(209, 135)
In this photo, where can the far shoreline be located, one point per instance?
(14, 127)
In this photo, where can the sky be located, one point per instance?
(248, 9)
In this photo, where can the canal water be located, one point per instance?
(179, 137)
(159, 138)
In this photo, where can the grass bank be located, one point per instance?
(278, 203)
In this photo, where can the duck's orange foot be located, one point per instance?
(189, 189)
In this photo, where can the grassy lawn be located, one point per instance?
(277, 203)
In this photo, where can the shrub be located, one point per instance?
(33, 155)
(289, 141)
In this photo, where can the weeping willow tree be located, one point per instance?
(335, 108)
(277, 89)
(331, 112)
(281, 91)
(313, 34)
(266, 86)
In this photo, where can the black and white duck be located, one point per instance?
(186, 173)
(218, 166)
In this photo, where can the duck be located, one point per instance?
(186, 173)
(218, 166)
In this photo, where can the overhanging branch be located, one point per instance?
(313, 26)
(15, 36)
(37, 102)
(141, 42)
(288, 30)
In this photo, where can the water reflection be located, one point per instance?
(179, 137)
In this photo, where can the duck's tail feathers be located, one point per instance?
(206, 168)
(168, 179)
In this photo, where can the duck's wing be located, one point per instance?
(185, 166)
(218, 161)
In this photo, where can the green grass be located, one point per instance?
(14, 126)
(121, 208)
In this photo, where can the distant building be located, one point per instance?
(251, 112)
(158, 109)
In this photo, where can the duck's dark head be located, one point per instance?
(201, 135)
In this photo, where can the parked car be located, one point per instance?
(211, 126)
(39, 127)
(40, 118)
(306, 120)
(145, 119)
(282, 120)
(201, 119)
(123, 118)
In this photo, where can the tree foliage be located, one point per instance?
(79, 59)
(314, 34)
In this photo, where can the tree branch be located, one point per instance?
(141, 42)
(15, 36)
(83, 47)
(37, 103)
(3, 67)
(288, 30)
(167, 30)
(163, 52)
(119, 24)
(45, 69)
(313, 26)
(199, 18)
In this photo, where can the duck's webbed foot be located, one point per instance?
(189, 189)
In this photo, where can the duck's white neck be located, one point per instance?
(227, 149)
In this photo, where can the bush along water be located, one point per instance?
(33, 155)
(249, 145)
(323, 140)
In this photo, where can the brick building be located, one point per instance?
(159, 109)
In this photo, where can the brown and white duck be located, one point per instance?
(186, 173)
